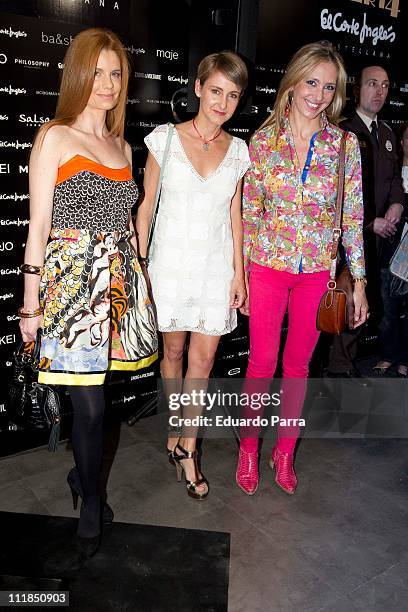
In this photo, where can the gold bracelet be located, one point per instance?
(362, 279)
(29, 269)
(29, 314)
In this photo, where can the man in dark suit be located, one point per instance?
(383, 209)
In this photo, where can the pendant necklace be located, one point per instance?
(206, 143)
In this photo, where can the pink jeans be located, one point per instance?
(271, 292)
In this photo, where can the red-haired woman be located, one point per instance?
(85, 289)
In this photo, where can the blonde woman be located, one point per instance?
(288, 212)
(81, 193)
(196, 268)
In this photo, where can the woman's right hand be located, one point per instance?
(29, 328)
(245, 308)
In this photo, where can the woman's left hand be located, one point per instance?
(361, 313)
(238, 292)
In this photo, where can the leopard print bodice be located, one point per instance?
(94, 197)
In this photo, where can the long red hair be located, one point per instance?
(78, 77)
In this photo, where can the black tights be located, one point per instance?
(87, 441)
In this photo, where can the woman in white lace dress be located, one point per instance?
(196, 268)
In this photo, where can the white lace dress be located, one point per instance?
(191, 258)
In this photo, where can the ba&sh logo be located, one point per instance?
(56, 39)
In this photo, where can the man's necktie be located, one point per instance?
(374, 132)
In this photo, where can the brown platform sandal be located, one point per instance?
(190, 484)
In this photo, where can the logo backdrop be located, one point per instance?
(34, 37)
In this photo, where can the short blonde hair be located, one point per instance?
(301, 64)
(227, 62)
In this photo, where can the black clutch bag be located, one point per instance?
(32, 405)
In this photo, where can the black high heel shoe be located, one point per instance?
(87, 547)
(90, 518)
(170, 455)
(76, 491)
(191, 485)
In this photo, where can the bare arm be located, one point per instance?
(145, 210)
(237, 230)
(238, 293)
(43, 172)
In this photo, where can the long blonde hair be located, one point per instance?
(300, 66)
(78, 78)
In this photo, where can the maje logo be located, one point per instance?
(167, 54)
(32, 120)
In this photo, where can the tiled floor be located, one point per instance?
(338, 545)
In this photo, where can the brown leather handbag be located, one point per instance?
(336, 308)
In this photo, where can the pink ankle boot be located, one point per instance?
(285, 474)
(247, 471)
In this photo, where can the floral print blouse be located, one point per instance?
(288, 223)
